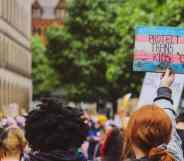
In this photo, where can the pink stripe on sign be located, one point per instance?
(141, 38)
(175, 59)
(145, 57)
(160, 38)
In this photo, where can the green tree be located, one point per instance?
(93, 52)
(44, 77)
(83, 51)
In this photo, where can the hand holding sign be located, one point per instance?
(153, 81)
(168, 78)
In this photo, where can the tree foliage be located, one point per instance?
(93, 51)
(44, 77)
(83, 50)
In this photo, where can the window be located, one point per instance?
(36, 10)
(60, 10)
(4, 9)
(1, 50)
(60, 13)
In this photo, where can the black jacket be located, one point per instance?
(181, 134)
(142, 159)
(53, 156)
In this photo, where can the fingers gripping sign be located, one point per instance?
(167, 78)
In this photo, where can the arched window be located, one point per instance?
(37, 10)
(60, 9)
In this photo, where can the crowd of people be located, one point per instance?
(56, 132)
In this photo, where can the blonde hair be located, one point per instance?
(12, 142)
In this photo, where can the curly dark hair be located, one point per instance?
(55, 127)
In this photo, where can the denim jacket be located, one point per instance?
(164, 101)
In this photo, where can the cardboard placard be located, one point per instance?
(157, 48)
(151, 84)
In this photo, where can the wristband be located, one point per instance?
(164, 93)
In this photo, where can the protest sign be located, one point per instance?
(157, 48)
(151, 84)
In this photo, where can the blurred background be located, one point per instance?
(78, 50)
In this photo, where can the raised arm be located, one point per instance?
(165, 101)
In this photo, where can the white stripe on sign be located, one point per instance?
(159, 48)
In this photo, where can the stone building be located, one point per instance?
(46, 13)
(15, 54)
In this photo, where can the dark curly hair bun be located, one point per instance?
(55, 127)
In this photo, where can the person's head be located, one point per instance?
(111, 149)
(12, 142)
(148, 130)
(55, 127)
(101, 120)
(180, 121)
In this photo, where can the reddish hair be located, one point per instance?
(111, 149)
(148, 128)
(105, 144)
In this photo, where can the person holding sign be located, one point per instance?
(151, 133)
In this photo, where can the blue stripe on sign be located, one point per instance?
(157, 30)
(148, 66)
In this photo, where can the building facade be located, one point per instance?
(46, 13)
(15, 54)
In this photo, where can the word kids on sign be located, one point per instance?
(157, 48)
